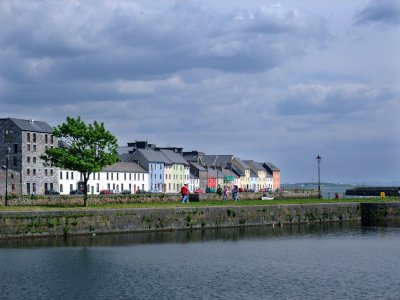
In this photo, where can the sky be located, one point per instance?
(277, 81)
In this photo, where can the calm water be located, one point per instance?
(308, 262)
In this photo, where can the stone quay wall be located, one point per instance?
(17, 224)
(65, 200)
(380, 214)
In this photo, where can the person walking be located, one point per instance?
(185, 194)
(235, 193)
(225, 193)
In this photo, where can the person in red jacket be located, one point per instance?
(185, 194)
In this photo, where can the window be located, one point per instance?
(130, 176)
(28, 138)
(45, 186)
(61, 175)
(130, 187)
(94, 176)
(45, 172)
(51, 139)
(98, 176)
(51, 172)
(28, 172)
(61, 188)
(117, 176)
(107, 175)
(66, 175)
(160, 176)
(122, 186)
(34, 187)
(142, 176)
(112, 176)
(51, 186)
(28, 159)
(134, 176)
(15, 148)
(15, 160)
(34, 160)
(34, 172)
(34, 148)
(28, 188)
(29, 147)
(72, 175)
(98, 187)
(34, 137)
(71, 187)
(124, 176)
(45, 138)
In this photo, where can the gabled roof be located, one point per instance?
(255, 166)
(216, 160)
(228, 172)
(253, 174)
(241, 164)
(31, 125)
(198, 166)
(271, 166)
(130, 167)
(237, 171)
(145, 156)
(173, 157)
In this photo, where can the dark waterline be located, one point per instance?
(333, 261)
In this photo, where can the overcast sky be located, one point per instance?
(278, 81)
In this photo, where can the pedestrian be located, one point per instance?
(225, 193)
(185, 194)
(235, 193)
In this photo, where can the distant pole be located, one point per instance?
(7, 158)
(318, 158)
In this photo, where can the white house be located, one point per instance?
(117, 177)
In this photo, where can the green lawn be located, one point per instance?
(200, 204)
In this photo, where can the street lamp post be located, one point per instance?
(318, 158)
(7, 159)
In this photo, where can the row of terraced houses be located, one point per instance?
(142, 167)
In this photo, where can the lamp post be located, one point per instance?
(318, 158)
(7, 159)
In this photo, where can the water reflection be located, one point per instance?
(184, 236)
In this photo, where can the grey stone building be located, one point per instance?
(26, 141)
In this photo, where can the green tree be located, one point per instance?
(86, 148)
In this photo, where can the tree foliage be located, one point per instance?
(85, 148)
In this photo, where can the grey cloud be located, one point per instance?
(385, 12)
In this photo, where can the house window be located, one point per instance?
(51, 186)
(28, 188)
(34, 172)
(34, 187)
(61, 175)
(98, 176)
(112, 176)
(45, 172)
(122, 186)
(34, 137)
(61, 188)
(107, 175)
(28, 138)
(51, 172)
(51, 139)
(34, 148)
(15, 160)
(117, 176)
(28, 172)
(98, 187)
(134, 176)
(28, 159)
(15, 148)
(124, 176)
(72, 175)
(71, 187)
(45, 138)
(66, 175)
(29, 147)
(45, 186)
(34, 160)
(130, 176)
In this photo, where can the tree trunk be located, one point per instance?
(85, 191)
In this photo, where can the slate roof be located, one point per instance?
(198, 166)
(228, 172)
(153, 156)
(31, 125)
(241, 164)
(253, 174)
(216, 160)
(237, 171)
(125, 167)
(272, 166)
(173, 157)
(255, 166)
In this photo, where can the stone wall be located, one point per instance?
(96, 221)
(380, 214)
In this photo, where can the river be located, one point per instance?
(301, 262)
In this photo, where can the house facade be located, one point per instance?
(26, 141)
(276, 174)
(116, 178)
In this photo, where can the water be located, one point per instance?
(305, 262)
